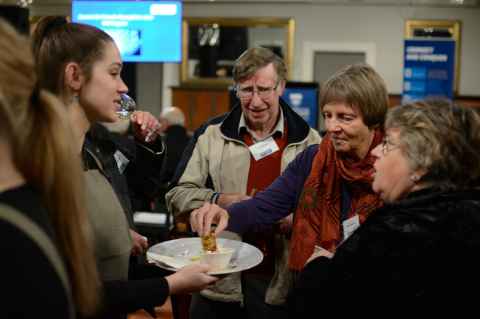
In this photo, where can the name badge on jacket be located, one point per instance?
(122, 161)
(350, 225)
(264, 148)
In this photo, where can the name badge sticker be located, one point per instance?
(264, 148)
(350, 225)
(122, 161)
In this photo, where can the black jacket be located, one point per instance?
(30, 282)
(420, 253)
(140, 182)
(122, 297)
(176, 139)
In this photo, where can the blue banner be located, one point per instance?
(428, 69)
(304, 101)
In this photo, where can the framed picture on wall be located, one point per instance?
(212, 44)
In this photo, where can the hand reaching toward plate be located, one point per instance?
(202, 218)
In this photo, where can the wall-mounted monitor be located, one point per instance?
(303, 98)
(144, 31)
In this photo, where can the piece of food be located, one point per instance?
(209, 242)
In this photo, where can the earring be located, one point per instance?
(414, 178)
(75, 99)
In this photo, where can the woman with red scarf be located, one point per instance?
(417, 254)
(328, 186)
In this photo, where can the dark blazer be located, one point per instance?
(176, 140)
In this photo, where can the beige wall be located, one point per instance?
(380, 25)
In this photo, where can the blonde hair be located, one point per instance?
(35, 124)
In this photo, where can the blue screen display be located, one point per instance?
(144, 31)
(304, 101)
(428, 69)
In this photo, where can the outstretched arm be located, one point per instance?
(263, 210)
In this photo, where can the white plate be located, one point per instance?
(174, 254)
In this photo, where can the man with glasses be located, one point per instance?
(230, 158)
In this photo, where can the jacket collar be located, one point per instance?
(298, 129)
(279, 127)
(437, 195)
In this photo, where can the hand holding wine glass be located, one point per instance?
(145, 125)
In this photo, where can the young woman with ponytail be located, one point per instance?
(82, 65)
(48, 270)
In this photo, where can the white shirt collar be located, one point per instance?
(280, 127)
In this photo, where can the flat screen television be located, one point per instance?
(144, 31)
(303, 98)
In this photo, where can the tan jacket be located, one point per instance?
(217, 160)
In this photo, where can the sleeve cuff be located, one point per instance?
(214, 198)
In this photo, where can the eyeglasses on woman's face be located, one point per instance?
(246, 93)
(388, 146)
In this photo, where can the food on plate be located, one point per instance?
(209, 242)
(218, 260)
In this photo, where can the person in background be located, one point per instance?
(418, 253)
(172, 121)
(49, 269)
(82, 65)
(228, 159)
(328, 186)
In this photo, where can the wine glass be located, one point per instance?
(126, 109)
(127, 106)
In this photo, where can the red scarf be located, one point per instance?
(317, 217)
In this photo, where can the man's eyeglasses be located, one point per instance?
(387, 146)
(247, 92)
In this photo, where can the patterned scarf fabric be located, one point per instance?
(317, 217)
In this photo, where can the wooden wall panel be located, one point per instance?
(469, 101)
(200, 104)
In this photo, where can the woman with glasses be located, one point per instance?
(328, 186)
(419, 251)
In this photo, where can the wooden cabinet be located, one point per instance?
(468, 101)
(200, 103)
